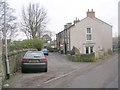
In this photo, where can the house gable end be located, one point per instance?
(95, 19)
(100, 21)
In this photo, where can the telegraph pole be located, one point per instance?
(6, 49)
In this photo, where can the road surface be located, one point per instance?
(63, 73)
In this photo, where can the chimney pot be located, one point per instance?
(91, 13)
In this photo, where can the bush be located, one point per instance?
(87, 57)
(50, 49)
(11, 47)
(26, 44)
(82, 58)
(38, 43)
(72, 52)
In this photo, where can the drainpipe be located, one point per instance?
(65, 49)
(69, 42)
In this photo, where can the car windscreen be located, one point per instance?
(34, 55)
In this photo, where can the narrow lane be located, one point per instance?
(97, 75)
(102, 76)
(57, 66)
(63, 73)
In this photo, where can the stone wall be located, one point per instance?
(14, 59)
(99, 54)
(14, 62)
(1, 67)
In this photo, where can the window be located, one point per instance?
(88, 30)
(89, 34)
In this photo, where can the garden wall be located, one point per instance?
(14, 62)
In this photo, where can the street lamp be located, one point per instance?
(6, 49)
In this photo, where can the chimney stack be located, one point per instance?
(67, 25)
(76, 21)
(91, 13)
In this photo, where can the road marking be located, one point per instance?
(60, 77)
(64, 75)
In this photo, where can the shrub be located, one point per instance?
(38, 43)
(11, 47)
(50, 49)
(28, 43)
(87, 57)
(82, 58)
(77, 58)
(72, 52)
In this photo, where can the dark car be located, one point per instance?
(45, 51)
(34, 60)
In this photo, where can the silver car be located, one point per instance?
(34, 60)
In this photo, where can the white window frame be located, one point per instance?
(88, 37)
(87, 30)
(88, 34)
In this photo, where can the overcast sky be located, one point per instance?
(60, 12)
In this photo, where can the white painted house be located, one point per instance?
(88, 35)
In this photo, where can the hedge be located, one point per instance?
(82, 58)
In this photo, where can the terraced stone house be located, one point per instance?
(87, 35)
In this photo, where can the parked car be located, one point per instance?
(34, 60)
(45, 51)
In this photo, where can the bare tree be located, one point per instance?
(11, 25)
(34, 20)
(48, 32)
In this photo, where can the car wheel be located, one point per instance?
(45, 70)
(22, 70)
